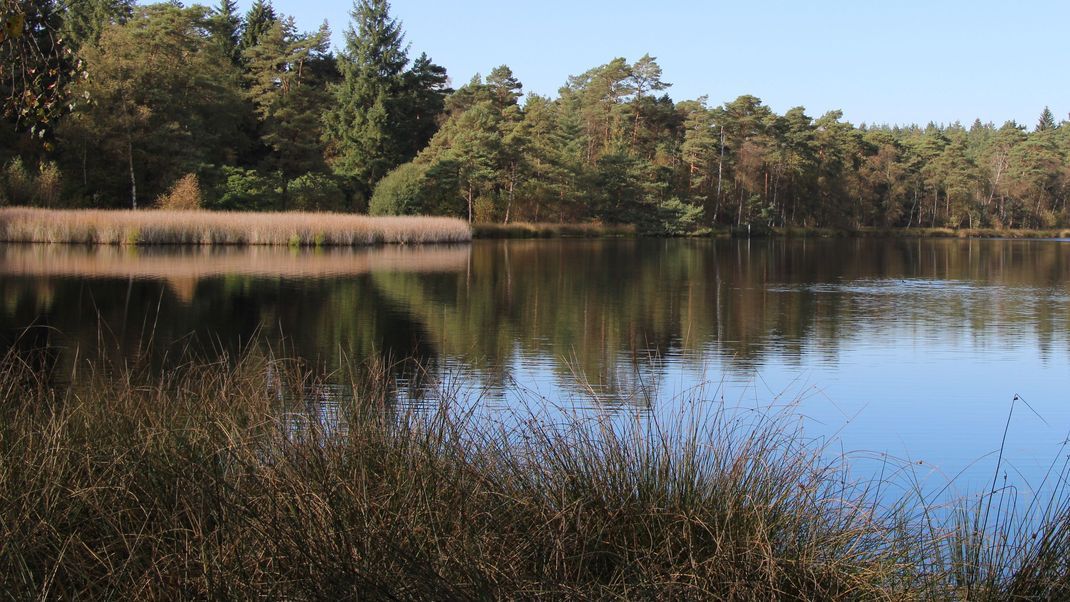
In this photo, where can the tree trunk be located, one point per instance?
(469, 199)
(720, 166)
(133, 178)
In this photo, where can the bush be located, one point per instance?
(676, 218)
(484, 210)
(48, 187)
(246, 190)
(185, 195)
(401, 192)
(314, 192)
(18, 183)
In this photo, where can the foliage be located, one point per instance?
(381, 111)
(401, 191)
(18, 183)
(48, 185)
(127, 98)
(286, 84)
(314, 192)
(36, 65)
(163, 101)
(85, 20)
(184, 195)
(676, 218)
(247, 190)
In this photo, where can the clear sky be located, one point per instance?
(906, 61)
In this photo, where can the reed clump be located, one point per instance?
(163, 227)
(210, 481)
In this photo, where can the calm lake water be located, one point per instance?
(914, 348)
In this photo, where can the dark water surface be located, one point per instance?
(911, 347)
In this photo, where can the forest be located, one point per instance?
(118, 104)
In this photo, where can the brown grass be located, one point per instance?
(223, 228)
(254, 480)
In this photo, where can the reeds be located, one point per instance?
(153, 227)
(224, 479)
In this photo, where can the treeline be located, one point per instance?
(180, 107)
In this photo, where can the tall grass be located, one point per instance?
(207, 482)
(222, 228)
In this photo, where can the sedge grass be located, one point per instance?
(161, 227)
(205, 483)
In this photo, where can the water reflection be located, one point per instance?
(905, 340)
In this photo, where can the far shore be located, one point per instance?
(160, 227)
(597, 230)
(198, 228)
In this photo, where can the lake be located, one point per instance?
(911, 348)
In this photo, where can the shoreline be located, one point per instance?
(228, 476)
(196, 228)
(596, 230)
(152, 227)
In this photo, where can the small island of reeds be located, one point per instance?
(160, 227)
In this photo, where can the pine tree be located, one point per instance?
(288, 96)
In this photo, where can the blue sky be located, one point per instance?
(880, 62)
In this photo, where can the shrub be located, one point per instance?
(484, 210)
(19, 184)
(314, 192)
(247, 190)
(185, 195)
(401, 192)
(48, 186)
(676, 218)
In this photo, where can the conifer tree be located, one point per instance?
(1046, 121)
(226, 29)
(85, 20)
(258, 21)
(370, 129)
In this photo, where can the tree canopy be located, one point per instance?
(113, 102)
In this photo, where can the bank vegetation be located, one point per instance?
(251, 478)
(163, 227)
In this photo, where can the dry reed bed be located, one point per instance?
(156, 227)
(202, 483)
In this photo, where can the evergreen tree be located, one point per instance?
(258, 21)
(378, 106)
(289, 96)
(1046, 121)
(425, 90)
(85, 20)
(226, 29)
(163, 103)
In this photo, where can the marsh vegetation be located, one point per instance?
(233, 478)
